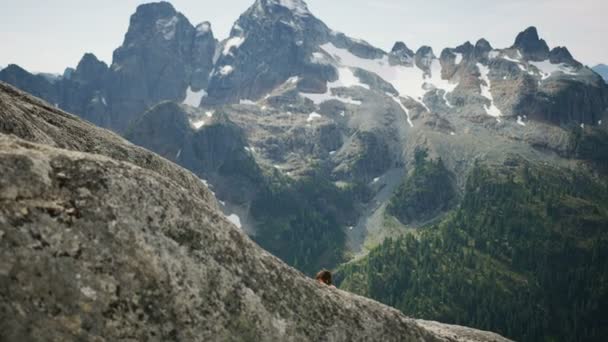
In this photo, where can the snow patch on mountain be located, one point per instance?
(519, 62)
(409, 81)
(486, 91)
(346, 79)
(458, 58)
(226, 70)
(198, 124)
(319, 58)
(313, 116)
(232, 43)
(167, 27)
(520, 121)
(194, 98)
(298, 7)
(407, 112)
(546, 68)
(328, 96)
(510, 59)
(435, 81)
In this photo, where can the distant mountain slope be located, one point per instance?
(95, 248)
(602, 69)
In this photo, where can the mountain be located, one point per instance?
(163, 57)
(387, 165)
(88, 253)
(602, 70)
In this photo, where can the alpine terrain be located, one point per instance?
(468, 185)
(602, 69)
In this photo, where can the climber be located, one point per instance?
(324, 277)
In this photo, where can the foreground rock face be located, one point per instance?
(123, 245)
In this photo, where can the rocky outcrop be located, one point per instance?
(269, 43)
(561, 54)
(424, 57)
(162, 57)
(153, 63)
(482, 48)
(90, 70)
(400, 53)
(121, 244)
(203, 51)
(531, 46)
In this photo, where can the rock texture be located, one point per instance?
(119, 244)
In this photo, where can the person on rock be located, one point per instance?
(324, 277)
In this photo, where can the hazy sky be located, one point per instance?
(50, 35)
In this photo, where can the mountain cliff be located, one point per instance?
(104, 240)
(163, 57)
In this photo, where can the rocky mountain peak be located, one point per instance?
(162, 55)
(36, 84)
(531, 45)
(158, 21)
(401, 54)
(465, 48)
(204, 29)
(203, 51)
(68, 72)
(561, 54)
(289, 14)
(276, 36)
(424, 57)
(482, 47)
(401, 48)
(14, 69)
(90, 69)
(293, 7)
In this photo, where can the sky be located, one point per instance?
(48, 36)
